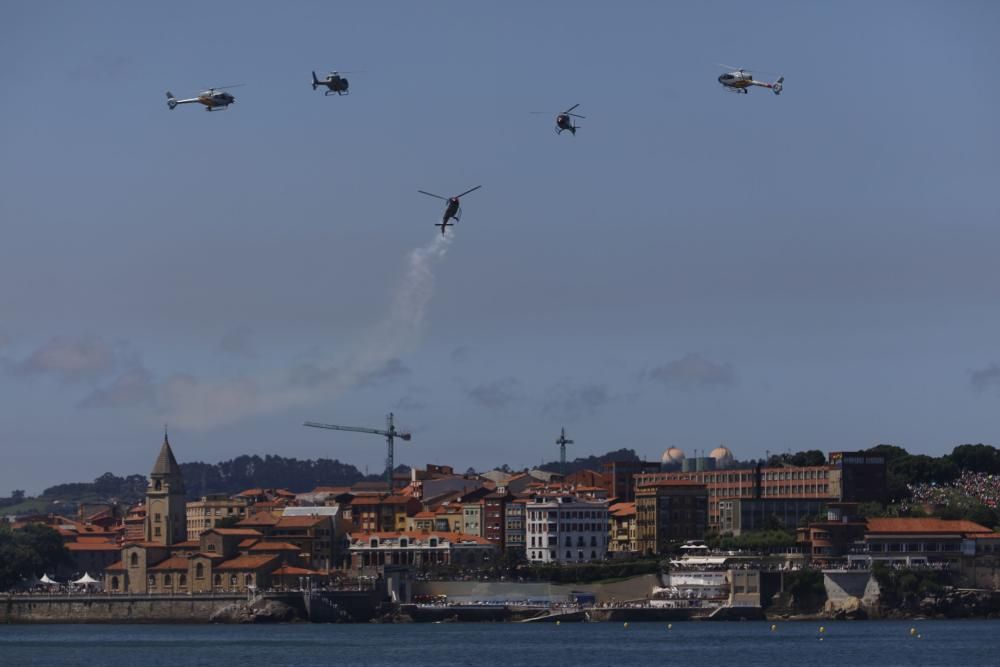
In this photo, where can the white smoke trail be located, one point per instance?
(401, 328)
(203, 403)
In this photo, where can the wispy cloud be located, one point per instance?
(461, 354)
(69, 359)
(135, 386)
(497, 394)
(986, 378)
(238, 343)
(693, 372)
(574, 401)
(390, 371)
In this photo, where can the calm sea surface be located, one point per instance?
(687, 644)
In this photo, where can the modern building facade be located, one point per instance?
(566, 529)
(669, 511)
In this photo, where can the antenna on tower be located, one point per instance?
(562, 442)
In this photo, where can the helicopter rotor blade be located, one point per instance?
(575, 115)
(468, 191)
(431, 194)
(572, 107)
(235, 85)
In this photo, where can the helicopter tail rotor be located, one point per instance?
(778, 85)
(171, 100)
(315, 81)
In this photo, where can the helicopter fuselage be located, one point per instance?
(451, 210)
(740, 82)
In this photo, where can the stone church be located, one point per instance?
(221, 560)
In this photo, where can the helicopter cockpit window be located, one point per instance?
(728, 77)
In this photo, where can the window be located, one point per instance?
(134, 559)
(151, 581)
(199, 571)
(182, 580)
(248, 580)
(168, 580)
(211, 547)
(568, 556)
(114, 583)
(434, 542)
(232, 580)
(156, 517)
(218, 579)
(156, 531)
(373, 543)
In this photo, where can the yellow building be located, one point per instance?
(212, 510)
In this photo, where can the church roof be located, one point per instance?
(166, 464)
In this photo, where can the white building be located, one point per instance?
(566, 529)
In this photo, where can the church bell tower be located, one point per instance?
(166, 502)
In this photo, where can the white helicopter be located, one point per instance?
(213, 98)
(740, 80)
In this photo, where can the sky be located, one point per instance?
(815, 270)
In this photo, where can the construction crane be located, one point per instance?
(562, 442)
(390, 434)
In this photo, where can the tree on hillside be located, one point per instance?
(977, 458)
(591, 462)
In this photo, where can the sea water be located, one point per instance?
(690, 644)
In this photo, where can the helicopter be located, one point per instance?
(740, 80)
(452, 210)
(334, 82)
(563, 121)
(212, 98)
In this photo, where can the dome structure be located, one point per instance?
(723, 457)
(673, 457)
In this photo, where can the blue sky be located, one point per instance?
(815, 270)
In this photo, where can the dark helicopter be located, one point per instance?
(334, 82)
(563, 120)
(452, 211)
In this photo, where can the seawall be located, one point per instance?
(113, 608)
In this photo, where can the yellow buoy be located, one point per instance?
(913, 631)
(558, 622)
(625, 624)
(773, 627)
(822, 629)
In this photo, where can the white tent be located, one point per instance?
(46, 580)
(86, 580)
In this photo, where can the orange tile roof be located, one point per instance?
(918, 525)
(172, 563)
(291, 571)
(366, 500)
(246, 562)
(301, 521)
(235, 532)
(424, 515)
(247, 543)
(261, 519)
(275, 546)
(115, 567)
(622, 509)
(93, 546)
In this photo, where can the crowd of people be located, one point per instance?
(980, 486)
